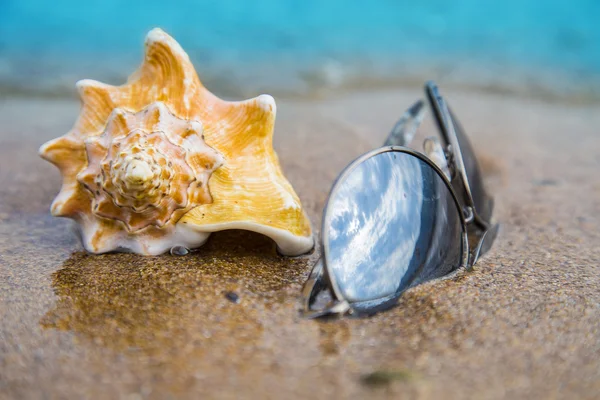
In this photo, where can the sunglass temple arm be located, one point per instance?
(448, 130)
(406, 127)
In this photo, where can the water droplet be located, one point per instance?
(179, 251)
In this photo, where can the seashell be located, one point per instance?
(160, 162)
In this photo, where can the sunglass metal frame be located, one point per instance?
(401, 134)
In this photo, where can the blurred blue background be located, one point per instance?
(311, 46)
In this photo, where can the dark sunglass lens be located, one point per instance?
(391, 223)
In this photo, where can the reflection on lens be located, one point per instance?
(391, 223)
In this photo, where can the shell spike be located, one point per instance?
(262, 107)
(267, 103)
(164, 53)
(49, 150)
(159, 42)
(65, 204)
(91, 90)
(63, 151)
(153, 113)
(195, 127)
(156, 108)
(118, 122)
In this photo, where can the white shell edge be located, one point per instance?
(191, 236)
(181, 235)
(288, 244)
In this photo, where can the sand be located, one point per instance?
(524, 324)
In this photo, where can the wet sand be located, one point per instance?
(524, 324)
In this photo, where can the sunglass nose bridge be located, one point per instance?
(468, 214)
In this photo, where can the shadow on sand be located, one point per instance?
(128, 302)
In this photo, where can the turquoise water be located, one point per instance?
(297, 47)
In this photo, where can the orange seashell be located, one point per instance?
(161, 162)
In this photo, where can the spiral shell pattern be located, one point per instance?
(139, 176)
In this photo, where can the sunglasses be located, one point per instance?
(396, 218)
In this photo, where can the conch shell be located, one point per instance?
(161, 162)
